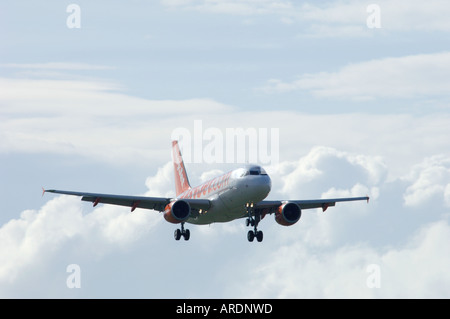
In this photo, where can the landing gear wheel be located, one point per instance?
(177, 234)
(250, 235)
(187, 234)
(182, 232)
(259, 236)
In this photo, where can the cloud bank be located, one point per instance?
(410, 77)
(324, 255)
(400, 160)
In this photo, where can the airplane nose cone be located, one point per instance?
(263, 186)
(268, 184)
(256, 187)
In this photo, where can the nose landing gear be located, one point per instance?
(253, 219)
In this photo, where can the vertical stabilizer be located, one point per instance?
(181, 179)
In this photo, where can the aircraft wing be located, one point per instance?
(271, 205)
(155, 203)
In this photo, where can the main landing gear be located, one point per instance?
(253, 219)
(182, 232)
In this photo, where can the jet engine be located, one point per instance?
(177, 212)
(288, 214)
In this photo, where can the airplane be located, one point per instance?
(239, 193)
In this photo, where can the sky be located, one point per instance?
(354, 94)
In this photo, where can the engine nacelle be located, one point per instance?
(177, 212)
(288, 214)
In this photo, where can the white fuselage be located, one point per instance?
(229, 194)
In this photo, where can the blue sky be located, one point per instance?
(359, 111)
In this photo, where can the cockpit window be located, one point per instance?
(252, 170)
(257, 170)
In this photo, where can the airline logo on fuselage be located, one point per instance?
(213, 185)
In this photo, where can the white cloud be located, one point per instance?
(35, 235)
(335, 18)
(91, 99)
(327, 166)
(234, 7)
(38, 235)
(447, 195)
(328, 173)
(297, 270)
(418, 269)
(400, 77)
(126, 129)
(95, 119)
(87, 117)
(162, 183)
(430, 182)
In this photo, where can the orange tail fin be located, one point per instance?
(181, 179)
